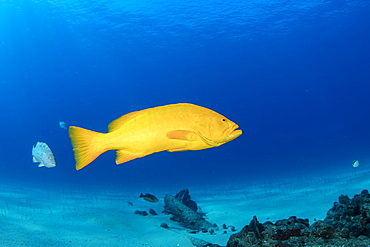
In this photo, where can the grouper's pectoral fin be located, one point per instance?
(184, 135)
(191, 140)
(122, 156)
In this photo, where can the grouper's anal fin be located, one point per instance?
(122, 156)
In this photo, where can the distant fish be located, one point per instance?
(355, 163)
(176, 127)
(149, 197)
(63, 125)
(42, 154)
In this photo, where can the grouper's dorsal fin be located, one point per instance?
(115, 124)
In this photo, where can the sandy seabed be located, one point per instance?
(34, 215)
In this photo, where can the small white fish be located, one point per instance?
(355, 163)
(63, 125)
(42, 154)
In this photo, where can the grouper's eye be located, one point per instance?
(223, 120)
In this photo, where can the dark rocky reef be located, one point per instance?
(351, 218)
(347, 224)
(185, 211)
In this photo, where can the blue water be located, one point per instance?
(295, 76)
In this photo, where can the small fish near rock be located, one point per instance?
(149, 197)
(42, 154)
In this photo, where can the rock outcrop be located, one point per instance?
(185, 211)
(347, 224)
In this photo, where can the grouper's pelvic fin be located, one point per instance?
(87, 145)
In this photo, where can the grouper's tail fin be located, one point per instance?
(87, 145)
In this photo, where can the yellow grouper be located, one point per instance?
(176, 127)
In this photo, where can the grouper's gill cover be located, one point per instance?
(175, 127)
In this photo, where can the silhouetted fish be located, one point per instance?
(149, 197)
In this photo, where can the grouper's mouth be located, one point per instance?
(235, 132)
